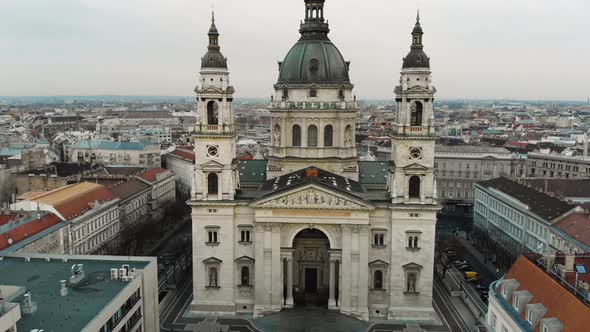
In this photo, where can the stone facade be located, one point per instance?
(311, 233)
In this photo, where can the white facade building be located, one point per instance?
(311, 233)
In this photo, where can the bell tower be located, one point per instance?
(412, 177)
(216, 176)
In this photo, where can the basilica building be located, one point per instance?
(314, 231)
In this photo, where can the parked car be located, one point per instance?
(459, 262)
(481, 287)
(465, 267)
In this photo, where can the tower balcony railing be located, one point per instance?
(414, 130)
(313, 106)
(213, 129)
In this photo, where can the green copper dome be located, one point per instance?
(314, 61)
(314, 58)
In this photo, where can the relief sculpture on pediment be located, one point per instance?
(311, 199)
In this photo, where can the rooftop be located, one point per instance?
(471, 149)
(373, 172)
(151, 175)
(188, 155)
(312, 175)
(27, 229)
(252, 171)
(129, 188)
(561, 187)
(539, 203)
(109, 145)
(83, 301)
(545, 289)
(577, 226)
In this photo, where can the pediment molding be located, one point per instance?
(312, 197)
(212, 260)
(378, 262)
(412, 266)
(212, 165)
(245, 259)
(416, 167)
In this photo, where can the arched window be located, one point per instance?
(410, 241)
(312, 136)
(415, 242)
(285, 93)
(328, 135)
(296, 135)
(213, 183)
(416, 116)
(378, 279)
(245, 276)
(212, 113)
(414, 187)
(213, 277)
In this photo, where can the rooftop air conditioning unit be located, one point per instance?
(125, 279)
(27, 259)
(122, 272)
(114, 274)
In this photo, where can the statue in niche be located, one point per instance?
(277, 136)
(348, 136)
(411, 282)
(213, 277)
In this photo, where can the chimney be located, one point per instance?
(63, 291)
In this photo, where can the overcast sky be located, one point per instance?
(519, 49)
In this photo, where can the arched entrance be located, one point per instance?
(311, 268)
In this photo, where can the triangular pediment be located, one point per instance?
(212, 165)
(245, 259)
(416, 166)
(312, 196)
(212, 260)
(212, 89)
(378, 263)
(412, 266)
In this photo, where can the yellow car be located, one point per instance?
(471, 274)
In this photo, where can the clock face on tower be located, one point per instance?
(212, 151)
(415, 153)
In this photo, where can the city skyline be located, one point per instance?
(90, 47)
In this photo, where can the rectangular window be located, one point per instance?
(529, 316)
(212, 237)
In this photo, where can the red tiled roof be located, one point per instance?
(184, 154)
(560, 303)
(576, 225)
(246, 156)
(150, 175)
(80, 204)
(6, 218)
(129, 188)
(27, 230)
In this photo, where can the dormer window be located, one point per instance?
(313, 93)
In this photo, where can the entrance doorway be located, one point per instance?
(311, 280)
(311, 268)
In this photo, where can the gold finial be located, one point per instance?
(418, 16)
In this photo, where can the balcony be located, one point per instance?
(213, 129)
(414, 130)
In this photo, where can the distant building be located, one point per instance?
(114, 153)
(163, 189)
(181, 162)
(459, 167)
(541, 294)
(557, 166)
(78, 293)
(90, 211)
(516, 217)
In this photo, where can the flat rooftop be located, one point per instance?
(42, 279)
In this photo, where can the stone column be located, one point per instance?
(289, 303)
(332, 300)
(276, 275)
(346, 269)
(363, 271)
(260, 290)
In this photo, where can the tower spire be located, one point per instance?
(314, 25)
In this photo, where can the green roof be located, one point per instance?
(373, 172)
(42, 279)
(252, 171)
